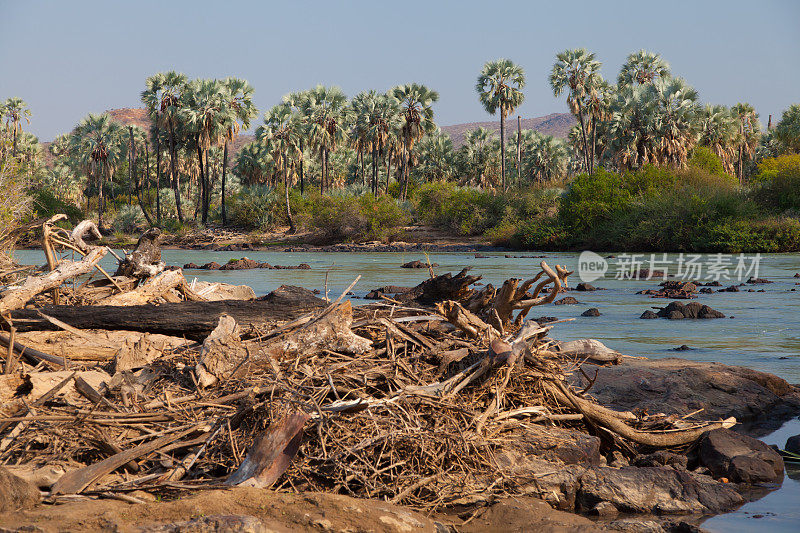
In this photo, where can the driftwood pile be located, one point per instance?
(403, 399)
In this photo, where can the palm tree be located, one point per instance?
(788, 129)
(577, 71)
(436, 157)
(674, 104)
(545, 156)
(749, 136)
(641, 68)
(239, 97)
(99, 143)
(416, 107)
(162, 97)
(719, 131)
(205, 112)
(281, 136)
(377, 117)
(478, 151)
(499, 86)
(299, 102)
(15, 110)
(327, 112)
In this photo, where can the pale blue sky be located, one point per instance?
(70, 58)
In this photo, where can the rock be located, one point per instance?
(673, 289)
(649, 315)
(618, 460)
(732, 288)
(694, 310)
(545, 319)
(662, 458)
(16, 493)
(213, 265)
(245, 263)
(604, 510)
(585, 287)
(707, 290)
(223, 291)
(797, 275)
(188, 266)
(740, 458)
(593, 311)
(758, 280)
(566, 300)
(793, 444)
(654, 490)
(418, 264)
(678, 386)
(521, 514)
(480, 256)
(682, 348)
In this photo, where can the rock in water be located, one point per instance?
(649, 315)
(740, 458)
(678, 310)
(566, 300)
(585, 287)
(591, 312)
(16, 493)
(793, 444)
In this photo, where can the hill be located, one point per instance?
(555, 124)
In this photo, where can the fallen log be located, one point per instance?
(193, 320)
(440, 288)
(153, 289)
(145, 260)
(16, 298)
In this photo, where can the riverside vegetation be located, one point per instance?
(646, 167)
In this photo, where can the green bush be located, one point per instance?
(704, 158)
(594, 199)
(47, 204)
(357, 218)
(466, 210)
(128, 219)
(778, 183)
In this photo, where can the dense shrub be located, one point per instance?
(465, 210)
(128, 219)
(704, 159)
(358, 218)
(778, 183)
(47, 204)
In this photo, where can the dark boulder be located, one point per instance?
(649, 315)
(732, 288)
(758, 280)
(584, 287)
(662, 458)
(682, 348)
(679, 386)
(593, 311)
(213, 265)
(418, 264)
(678, 310)
(793, 445)
(545, 319)
(707, 290)
(740, 458)
(188, 266)
(16, 493)
(566, 300)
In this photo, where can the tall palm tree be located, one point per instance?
(99, 143)
(239, 98)
(377, 117)
(788, 129)
(674, 104)
(641, 68)
(327, 112)
(437, 156)
(719, 131)
(499, 86)
(205, 113)
(478, 151)
(416, 107)
(281, 136)
(545, 156)
(299, 102)
(749, 135)
(15, 110)
(577, 71)
(162, 97)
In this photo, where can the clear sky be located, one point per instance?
(70, 58)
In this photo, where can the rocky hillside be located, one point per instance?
(555, 124)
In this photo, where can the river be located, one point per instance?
(763, 333)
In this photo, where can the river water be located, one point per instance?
(763, 334)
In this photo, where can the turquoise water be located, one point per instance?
(764, 333)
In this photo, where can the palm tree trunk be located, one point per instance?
(322, 171)
(176, 183)
(404, 174)
(100, 199)
(583, 134)
(739, 169)
(594, 143)
(375, 172)
(388, 168)
(224, 168)
(136, 184)
(519, 151)
(158, 180)
(203, 183)
(503, 149)
(302, 173)
(292, 228)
